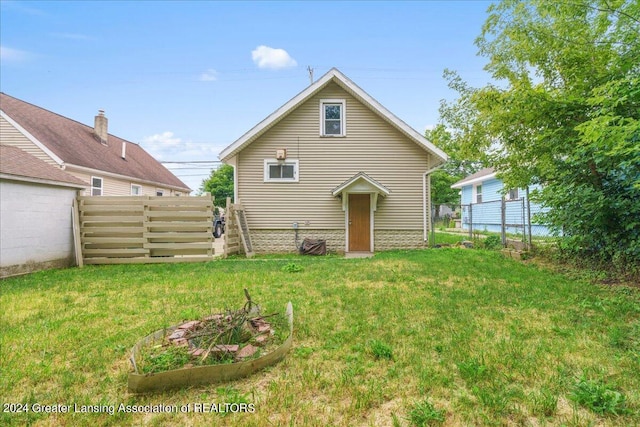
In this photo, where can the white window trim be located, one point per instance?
(474, 193)
(101, 188)
(508, 195)
(159, 192)
(343, 117)
(268, 162)
(139, 192)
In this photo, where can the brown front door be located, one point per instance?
(359, 222)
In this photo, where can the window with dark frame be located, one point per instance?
(281, 171)
(96, 186)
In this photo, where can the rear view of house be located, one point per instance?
(334, 164)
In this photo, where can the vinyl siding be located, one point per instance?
(9, 135)
(371, 145)
(117, 187)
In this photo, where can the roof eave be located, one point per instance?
(347, 84)
(466, 182)
(22, 178)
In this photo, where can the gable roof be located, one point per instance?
(481, 175)
(361, 177)
(76, 144)
(22, 166)
(345, 83)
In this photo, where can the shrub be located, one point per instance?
(493, 242)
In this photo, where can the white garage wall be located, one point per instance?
(35, 226)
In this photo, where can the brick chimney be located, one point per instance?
(100, 127)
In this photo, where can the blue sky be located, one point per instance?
(186, 79)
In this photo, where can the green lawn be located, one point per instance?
(433, 337)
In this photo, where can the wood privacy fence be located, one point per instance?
(237, 234)
(143, 229)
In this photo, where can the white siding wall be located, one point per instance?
(35, 223)
(371, 145)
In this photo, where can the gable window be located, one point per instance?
(280, 170)
(96, 186)
(478, 193)
(136, 190)
(332, 117)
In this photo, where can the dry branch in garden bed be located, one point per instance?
(227, 345)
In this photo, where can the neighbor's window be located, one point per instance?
(280, 170)
(513, 194)
(159, 192)
(136, 190)
(96, 186)
(478, 193)
(332, 117)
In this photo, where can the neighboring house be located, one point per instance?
(483, 192)
(334, 164)
(111, 166)
(35, 213)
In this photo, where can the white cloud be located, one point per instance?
(13, 55)
(180, 155)
(210, 75)
(268, 57)
(164, 139)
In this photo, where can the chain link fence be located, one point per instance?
(513, 220)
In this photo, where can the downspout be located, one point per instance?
(424, 200)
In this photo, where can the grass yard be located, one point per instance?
(434, 337)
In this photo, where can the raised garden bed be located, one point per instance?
(218, 348)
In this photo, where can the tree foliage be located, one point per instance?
(459, 165)
(564, 112)
(219, 184)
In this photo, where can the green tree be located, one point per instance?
(564, 113)
(219, 184)
(457, 167)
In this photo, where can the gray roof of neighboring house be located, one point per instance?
(476, 177)
(76, 144)
(18, 163)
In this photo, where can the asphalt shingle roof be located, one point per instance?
(76, 144)
(14, 161)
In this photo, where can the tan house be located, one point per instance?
(110, 166)
(334, 164)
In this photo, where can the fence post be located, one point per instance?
(529, 217)
(503, 220)
(524, 224)
(470, 221)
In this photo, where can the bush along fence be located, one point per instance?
(514, 220)
(143, 229)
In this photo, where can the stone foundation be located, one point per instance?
(385, 240)
(278, 241)
(274, 241)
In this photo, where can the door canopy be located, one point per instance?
(363, 184)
